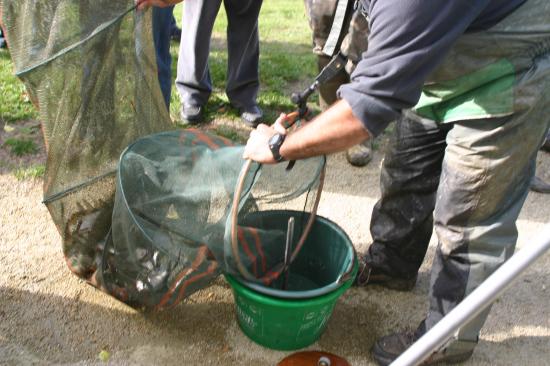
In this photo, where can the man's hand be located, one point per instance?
(144, 4)
(334, 130)
(257, 147)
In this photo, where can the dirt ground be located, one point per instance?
(50, 317)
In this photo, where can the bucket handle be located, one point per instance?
(347, 275)
(291, 119)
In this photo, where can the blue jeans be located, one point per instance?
(162, 22)
(2, 40)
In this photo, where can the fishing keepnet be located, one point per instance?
(144, 213)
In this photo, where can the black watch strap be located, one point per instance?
(275, 143)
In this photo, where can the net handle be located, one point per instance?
(291, 119)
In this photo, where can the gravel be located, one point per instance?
(50, 317)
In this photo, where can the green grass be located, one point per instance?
(20, 147)
(32, 172)
(286, 65)
(14, 103)
(286, 60)
(229, 133)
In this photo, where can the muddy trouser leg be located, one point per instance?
(320, 15)
(401, 224)
(486, 173)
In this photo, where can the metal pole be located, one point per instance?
(476, 302)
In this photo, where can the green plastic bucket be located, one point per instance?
(323, 270)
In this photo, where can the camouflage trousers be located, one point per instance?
(321, 15)
(467, 179)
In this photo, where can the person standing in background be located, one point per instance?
(321, 17)
(193, 80)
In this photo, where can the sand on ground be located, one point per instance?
(50, 317)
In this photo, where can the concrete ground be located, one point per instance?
(50, 317)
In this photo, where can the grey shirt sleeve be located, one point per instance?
(407, 40)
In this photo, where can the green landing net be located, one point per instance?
(145, 214)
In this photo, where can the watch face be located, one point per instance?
(275, 139)
(275, 143)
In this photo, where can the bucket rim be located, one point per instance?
(351, 267)
(288, 302)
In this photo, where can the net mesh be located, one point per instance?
(144, 215)
(172, 216)
(89, 66)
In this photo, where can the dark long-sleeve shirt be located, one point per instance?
(407, 41)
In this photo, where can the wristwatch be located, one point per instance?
(275, 143)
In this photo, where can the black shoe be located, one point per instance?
(251, 116)
(368, 275)
(191, 113)
(360, 154)
(388, 348)
(3, 43)
(538, 185)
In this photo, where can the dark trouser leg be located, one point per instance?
(162, 18)
(486, 174)
(193, 80)
(243, 51)
(401, 224)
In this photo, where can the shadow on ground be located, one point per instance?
(66, 330)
